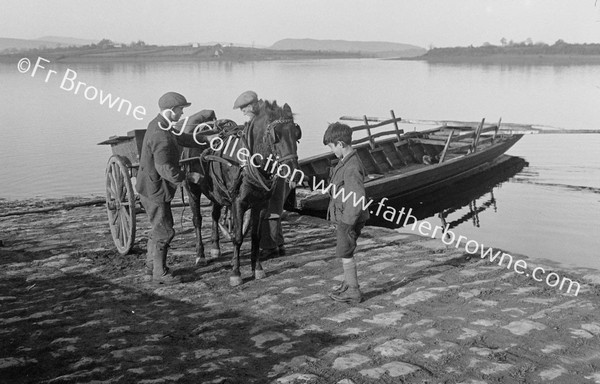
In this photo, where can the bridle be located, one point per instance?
(271, 140)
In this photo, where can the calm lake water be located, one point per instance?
(551, 209)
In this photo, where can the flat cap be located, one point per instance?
(244, 99)
(171, 100)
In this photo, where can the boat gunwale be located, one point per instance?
(392, 135)
(451, 161)
(471, 165)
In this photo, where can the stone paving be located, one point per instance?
(74, 311)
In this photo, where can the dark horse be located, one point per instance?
(240, 173)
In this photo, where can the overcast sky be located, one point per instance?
(440, 23)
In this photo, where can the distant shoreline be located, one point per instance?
(177, 59)
(524, 53)
(532, 59)
(176, 54)
(499, 59)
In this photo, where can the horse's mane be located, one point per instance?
(270, 108)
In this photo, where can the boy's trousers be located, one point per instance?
(346, 239)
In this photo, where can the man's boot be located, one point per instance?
(281, 250)
(271, 241)
(351, 295)
(150, 249)
(161, 274)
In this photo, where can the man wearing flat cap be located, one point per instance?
(159, 176)
(247, 102)
(271, 239)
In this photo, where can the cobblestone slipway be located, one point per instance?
(73, 311)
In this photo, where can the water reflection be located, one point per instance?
(457, 204)
(142, 67)
(472, 214)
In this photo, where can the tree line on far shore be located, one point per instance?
(527, 47)
(106, 49)
(102, 44)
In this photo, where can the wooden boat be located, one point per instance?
(407, 163)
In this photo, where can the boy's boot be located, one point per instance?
(343, 286)
(352, 294)
(160, 273)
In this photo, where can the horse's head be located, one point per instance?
(274, 126)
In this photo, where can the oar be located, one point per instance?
(541, 131)
(515, 128)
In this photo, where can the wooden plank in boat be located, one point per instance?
(408, 135)
(468, 146)
(463, 136)
(380, 124)
(368, 160)
(444, 132)
(446, 146)
(374, 176)
(373, 136)
(436, 142)
(380, 152)
(391, 151)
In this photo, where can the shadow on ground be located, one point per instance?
(80, 328)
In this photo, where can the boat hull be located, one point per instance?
(423, 179)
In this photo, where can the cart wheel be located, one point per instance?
(120, 203)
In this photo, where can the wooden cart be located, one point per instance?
(121, 198)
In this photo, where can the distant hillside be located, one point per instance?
(377, 48)
(68, 41)
(40, 43)
(22, 44)
(233, 44)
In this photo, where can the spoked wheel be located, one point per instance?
(226, 224)
(120, 203)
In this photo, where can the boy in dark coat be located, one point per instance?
(350, 218)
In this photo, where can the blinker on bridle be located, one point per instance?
(272, 137)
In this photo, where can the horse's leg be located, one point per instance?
(215, 248)
(194, 199)
(256, 218)
(238, 209)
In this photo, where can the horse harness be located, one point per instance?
(210, 156)
(271, 139)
